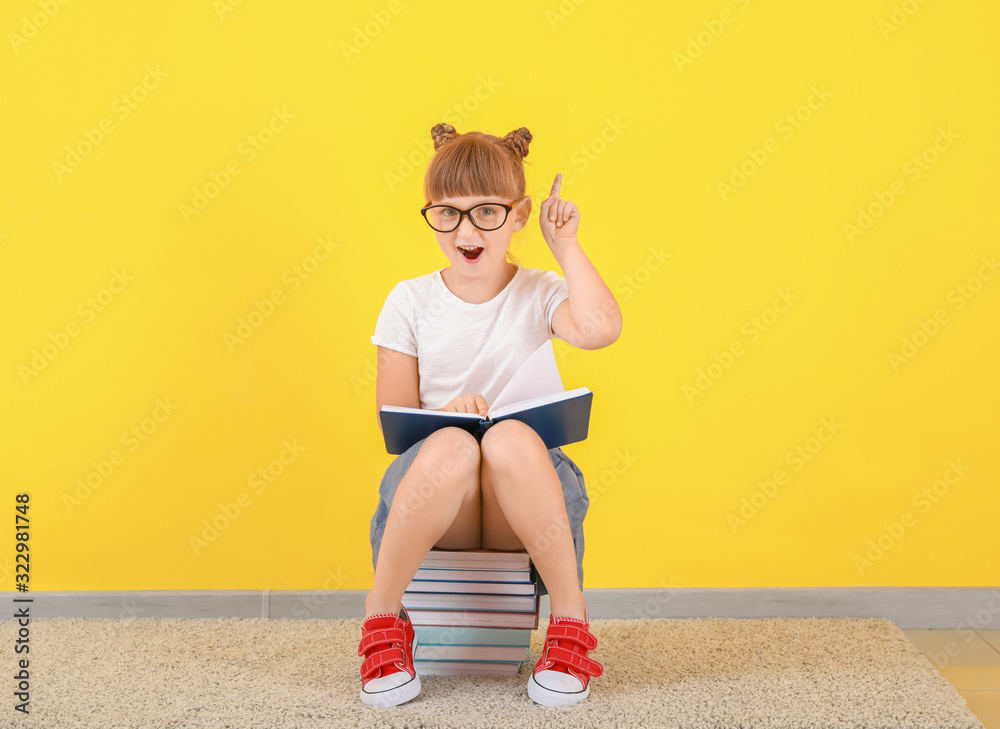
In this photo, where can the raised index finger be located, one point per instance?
(556, 184)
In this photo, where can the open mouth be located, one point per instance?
(471, 253)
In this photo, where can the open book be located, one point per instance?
(534, 395)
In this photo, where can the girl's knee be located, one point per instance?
(451, 449)
(513, 438)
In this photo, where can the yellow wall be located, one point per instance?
(119, 304)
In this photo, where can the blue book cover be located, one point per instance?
(558, 419)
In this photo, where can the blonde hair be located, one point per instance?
(477, 164)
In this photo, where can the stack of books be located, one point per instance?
(472, 611)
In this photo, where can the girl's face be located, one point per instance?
(486, 250)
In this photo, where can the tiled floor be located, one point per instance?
(970, 660)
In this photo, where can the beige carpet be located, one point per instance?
(706, 673)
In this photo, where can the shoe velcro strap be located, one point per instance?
(572, 632)
(574, 660)
(380, 635)
(381, 658)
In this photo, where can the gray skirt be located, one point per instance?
(574, 494)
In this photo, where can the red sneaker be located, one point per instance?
(387, 673)
(562, 675)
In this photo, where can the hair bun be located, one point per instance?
(442, 134)
(518, 140)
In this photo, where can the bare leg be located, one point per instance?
(437, 500)
(517, 476)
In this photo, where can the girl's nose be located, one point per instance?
(466, 229)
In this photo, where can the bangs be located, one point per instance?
(474, 165)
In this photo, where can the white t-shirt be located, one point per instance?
(468, 348)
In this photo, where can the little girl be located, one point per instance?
(450, 340)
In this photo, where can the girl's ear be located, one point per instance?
(522, 213)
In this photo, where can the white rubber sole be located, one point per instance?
(547, 697)
(396, 695)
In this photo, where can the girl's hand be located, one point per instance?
(560, 219)
(467, 404)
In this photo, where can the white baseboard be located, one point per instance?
(908, 607)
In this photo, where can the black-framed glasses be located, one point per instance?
(485, 216)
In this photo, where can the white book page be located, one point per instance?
(538, 376)
(421, 411)
(536, 401)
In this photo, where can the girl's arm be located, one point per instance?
(592, 318)
(396, 381)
